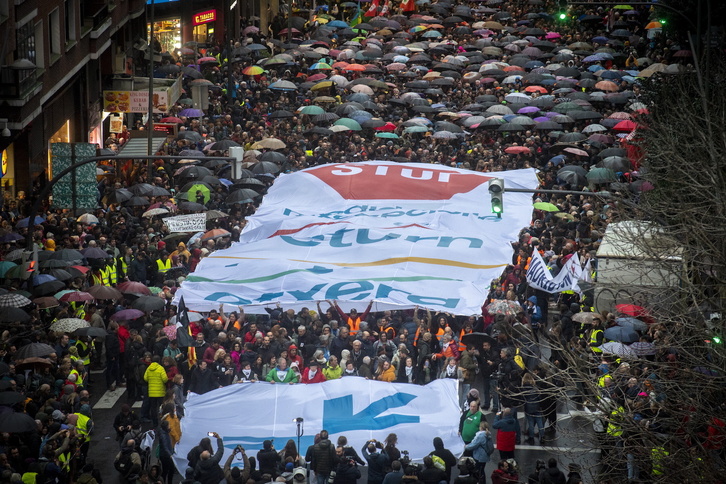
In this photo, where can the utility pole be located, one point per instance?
(150, 124)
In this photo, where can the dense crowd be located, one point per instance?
(485, 88)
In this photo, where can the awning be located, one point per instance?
(140, 146)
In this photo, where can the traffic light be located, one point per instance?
(563, 16)
(496, 190)
(562, 10)
(30, 263)
(716, 339)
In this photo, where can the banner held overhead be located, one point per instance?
(400, 234)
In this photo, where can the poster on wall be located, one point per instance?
(116, 123)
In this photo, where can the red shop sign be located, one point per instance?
(204, 17)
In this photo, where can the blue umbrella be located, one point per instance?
(24, 222)
(339, 24)
(558, 160)
(632, 323)
(621, 334)
(43, 278)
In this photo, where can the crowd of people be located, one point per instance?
(487, 88)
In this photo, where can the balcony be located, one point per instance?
(99, 20)
(19, 82)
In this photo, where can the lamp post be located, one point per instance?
(299, 431)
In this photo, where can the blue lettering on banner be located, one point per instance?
(338, 414)
(340, 239)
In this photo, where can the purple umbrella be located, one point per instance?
(127, 315)
(528, 109)
(191, 113)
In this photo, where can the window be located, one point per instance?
(25, 42)
(54, 32)
(70, 20)
(39, 47)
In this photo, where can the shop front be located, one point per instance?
(203, 23)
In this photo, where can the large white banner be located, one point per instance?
(247, 414)
(400, 234)
(539, 276)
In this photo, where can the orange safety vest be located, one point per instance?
(390, 332)
(462, 346)
(354, 325)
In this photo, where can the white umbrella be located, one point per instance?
(618, 349)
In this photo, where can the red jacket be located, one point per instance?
(318, 378)
(123, 336)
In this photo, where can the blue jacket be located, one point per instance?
(478, 446)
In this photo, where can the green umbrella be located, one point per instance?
(416, 129)
(311, 110)
(546, 206)
(192, 192)
(5, 266)
(387, 135)
(351, 124)
(14, 272)
(601, 175)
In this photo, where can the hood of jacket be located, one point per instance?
(155, 367)
(438, 443)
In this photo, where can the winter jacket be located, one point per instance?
(290, 376)
(552, 475)
(166, 448)
(155, 376)
(347, 473)
(377, 462)
(267, 461)
(532, 398)
(478, 446)
(324, 459)
(445, 455)
(318, 378)
(203, 381)
(507, 428)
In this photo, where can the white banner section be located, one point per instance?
(539, 276)
(400, 234)
(193, 222)
(247, 414)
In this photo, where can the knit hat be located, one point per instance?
(57, 415)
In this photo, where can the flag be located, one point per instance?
(373, 9)
(357, 19)
(184, 333)
(386, 8)
(408, 6)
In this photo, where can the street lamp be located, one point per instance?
(299, 431)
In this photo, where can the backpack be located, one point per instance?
(438, 462)
(489, 446)
(519, 360)
(123, 464)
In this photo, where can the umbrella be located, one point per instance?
(105, 292)
(76, 296)
(13, 300)
(127, 314)
(215, 234)
(68, 325)
(630, 322)
(242, 194)
(170, 332)
(26, 221)
(133, 287)
(148, 303)
(154, 212)
(5, 266)
(49, 287)
(11, 237)
(13, 315)
(269, 144)
(546, 206)
(17, 423)
(60, 274)
(192, 207)
(643, 348)
(504, 307)
(618, 349)
(601, 175)
(47, 302)
(91, 332)
(70, 255)
(585, 318)
(635, 311)
(88, 219)
(34, 350)
(273, 156)
(263, 167)
(477, 339)
(621, 334)
(192, 192)
(10, 398)
(95, 253)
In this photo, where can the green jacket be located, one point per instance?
(290, 376)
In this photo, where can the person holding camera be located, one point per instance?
(347, 471)
(235, 475)
(377, 459)
(207, 470)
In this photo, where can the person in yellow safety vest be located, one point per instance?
(97, 277)
(105, 275)
(84, 350)
(111, 271)
(657, 456)
(614, 428)
(597, 337)
(163, 264)
(77, 370)
(84, 427)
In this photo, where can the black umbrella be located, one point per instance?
(148, 303)
(50, 287)
(281, 114)
(477, 339)
(192, 206)
(573, 174)
(253, 183)
(221, 145)
(142, 189)
(242, 194)
(95, 253)
(60, 274)
(265, 167)
(13, 315)
(137, 202)
(33, 350)
(10, 398)
(55, 264)
(119, 196)
(200, 171)
(17, 423)
(273, 156)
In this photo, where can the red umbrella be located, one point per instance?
(77, 296)
(517, 150)
(576, 151)
(170, 332)
(626, 125)
(132, 287)
(635, 311)
(387, 127)
(81, 269)
(316, 77)
(206, 59)
(171, 119)
(215, 234)
(127, 315)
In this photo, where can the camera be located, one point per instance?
(239, 449)
(405, 459)
(210, 434)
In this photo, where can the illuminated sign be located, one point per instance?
(204, 17)
(4, 164)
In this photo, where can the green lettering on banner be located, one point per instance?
(363, 238)
(314, 240)
(307, 296)
(385, 291)
(270, 296)
(473, 243)
(227, 298)
(336, 240)
(426, 300)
